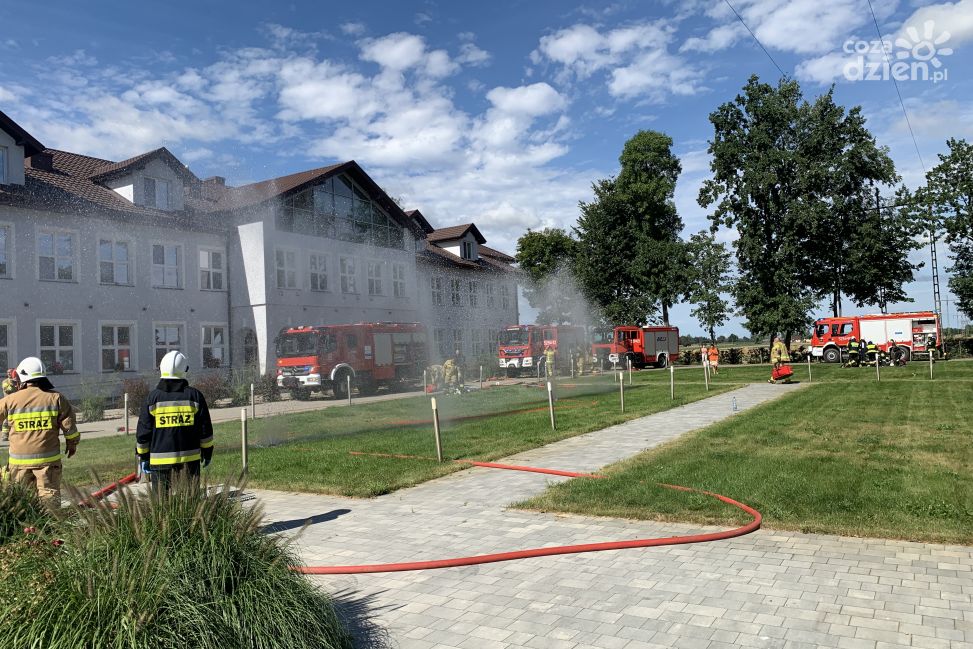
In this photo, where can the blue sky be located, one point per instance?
(499, 113)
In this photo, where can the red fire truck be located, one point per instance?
(914, 334)
(315, 359)
(521, 349)
(643, 345)
(564, 340)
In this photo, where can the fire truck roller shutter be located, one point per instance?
(383, 349)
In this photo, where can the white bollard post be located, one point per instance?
(930, 363)
(672, 382)
(621, 394)
(630, 371)
(481, 377)
(550, 404)
(425, 380)
(253, 404)
(706, 377)
(809, 367)
(435, 428)
(243, 439)
(878, 374)
(126, 412)
(348, 381)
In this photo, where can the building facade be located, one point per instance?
(105, 266)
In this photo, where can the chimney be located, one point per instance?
(213, 188)
(217, 181)
(42, 161)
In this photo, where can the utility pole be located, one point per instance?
(936, 298)
(882, 303)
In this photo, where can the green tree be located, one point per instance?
(756, 188)
(709, 281)
(949, 196)
(547, 258)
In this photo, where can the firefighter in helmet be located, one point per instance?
(38, 414)
(580, 359)
(853, 359)
(549, 356)
(871, 353)
(778, 355)
(451, 372)
(10, 385)
(175, 434)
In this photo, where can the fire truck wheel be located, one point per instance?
(301, 394)
(663, 361)
(831, 355)
(905, 354)
(512, 372)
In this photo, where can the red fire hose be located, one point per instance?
(546, 552)
(104, 492)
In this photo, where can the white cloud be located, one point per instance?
(636, 59)
(718, 38)
(953, 17)
(470, 54)
(353, 28)
(533, 100)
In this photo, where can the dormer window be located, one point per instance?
(156, 193)
(468, 250)
(3, 165)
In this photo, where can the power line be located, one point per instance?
(740, 18)
(881, 39)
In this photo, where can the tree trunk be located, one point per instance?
(712, 335)
(787, 340)
(665, 314)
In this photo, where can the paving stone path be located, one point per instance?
(767, 589)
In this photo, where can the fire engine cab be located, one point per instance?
(315, 359)
(520, 349)
(913, 334)
(643, 345)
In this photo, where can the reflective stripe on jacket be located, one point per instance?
(36, 418)
(174, 425)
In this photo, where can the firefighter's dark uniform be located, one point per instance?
(174, 431)
(871, 353)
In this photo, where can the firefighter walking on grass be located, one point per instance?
(778, 356)
(38, 414)
(10, 385)
(175, 434)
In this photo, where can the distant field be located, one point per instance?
(849, 455)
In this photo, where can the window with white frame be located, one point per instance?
(317, 266)
(156, 193)
(488, 290)
(286, 261)
(438, 295)
(455, 298)
(375, 278)
(212, 266)
(457, 341)
(439, 339)
(3, 165)
(476, 342)
(467, 250)
(168, 336)
(56, 255)
(398, 280)
(346, 266)
(6, 342)
(6, 250)
(166, 265)
(114, 262)
(474, 287)
(504, 297)
(214, 345)
(116, 348)
(58, 346)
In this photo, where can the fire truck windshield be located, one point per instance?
(290, 345)
(514, 337)
(603, 336)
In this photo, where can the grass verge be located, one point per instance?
(849, 456)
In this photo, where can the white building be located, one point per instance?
(105, 266)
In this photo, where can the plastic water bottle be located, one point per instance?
(734, 404)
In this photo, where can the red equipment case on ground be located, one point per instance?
(782, 372)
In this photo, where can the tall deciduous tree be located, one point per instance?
(709, 281)
(756, 188)
(949, 193)
(547, 257)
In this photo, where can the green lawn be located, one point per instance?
(312, 451)
(848, 455)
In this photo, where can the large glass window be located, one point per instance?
(338, 208)
(438, 295)
(286, 261)
(116, 348)
(58, 343)
(504, 297)
(455, 297)
(5, 341)
(3, 165)
(168, 336)
(375, 278)
(488, 291)
(114, 262)
(166, 265)
(439, 339)
(474, 287)
(348, 278)
(56, 255)
(398, 280)
(211, 269)
(317, 266)
(214, 346)
(6, 246)
(156, 193)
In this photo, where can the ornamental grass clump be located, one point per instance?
(19, 508)
(186, 570)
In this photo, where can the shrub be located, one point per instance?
(266, 387)
(734, 356)
(758, 355)
(91, 407)
(185, 570)
(213, 385)
(19, 508)
(137, 389)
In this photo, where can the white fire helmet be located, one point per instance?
(174, 365)
(30, 369)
